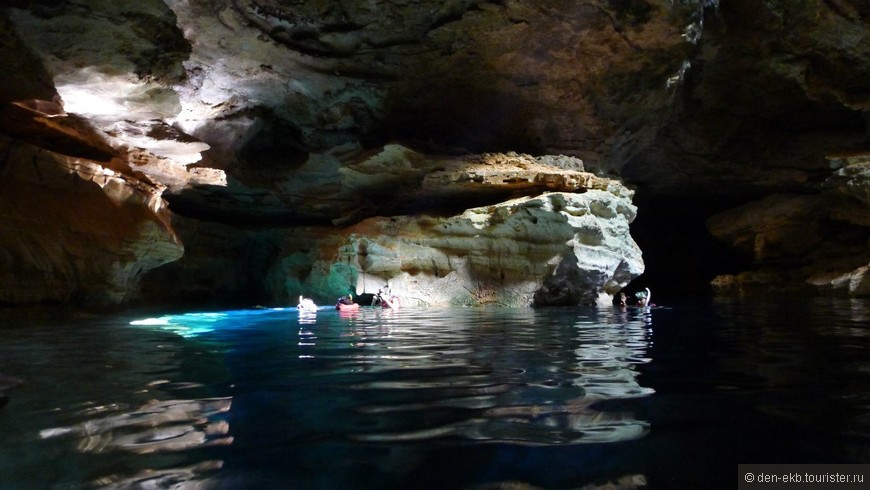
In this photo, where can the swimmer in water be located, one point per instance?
(643, 297)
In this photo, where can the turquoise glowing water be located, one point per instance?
(433, 398)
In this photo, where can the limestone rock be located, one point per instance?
(555, 248)
(348, 184)
(511, 172)
(278, 90)
(795, 242)
(850, 188)
(274, 115)
(76, 231)
(855, 283)
(776, 228)
(859, 282)
(770, 91)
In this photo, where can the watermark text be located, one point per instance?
(839, 476)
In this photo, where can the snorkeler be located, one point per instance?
(643, 297)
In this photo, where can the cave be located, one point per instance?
(181, 155)
(224, 126)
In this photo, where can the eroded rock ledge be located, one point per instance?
(811, 242)
(76, 231)
(550, 249)
(565, 243)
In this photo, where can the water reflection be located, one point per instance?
(454, 398)
(158, 426)
(198, 324)
(188, 477)
(307, 317)
(377, 378)
(521, 378)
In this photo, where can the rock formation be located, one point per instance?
(566, 246)
(804, 241)
(254, 146)
(551, 249)
(75, 231)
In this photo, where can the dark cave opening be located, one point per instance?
(680, 255)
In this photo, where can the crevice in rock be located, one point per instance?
(680, 255)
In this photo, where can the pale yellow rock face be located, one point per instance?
(551, 249)
(76, 230)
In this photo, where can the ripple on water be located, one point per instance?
(176, 399)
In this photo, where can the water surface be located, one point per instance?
(433, 398)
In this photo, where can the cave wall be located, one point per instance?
(767, 150)
(240, 126)
(74, 232)
(567, 243)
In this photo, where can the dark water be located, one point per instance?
(435, 398)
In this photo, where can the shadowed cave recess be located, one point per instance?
(520, 153)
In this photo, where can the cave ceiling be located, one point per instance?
(278, 110)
